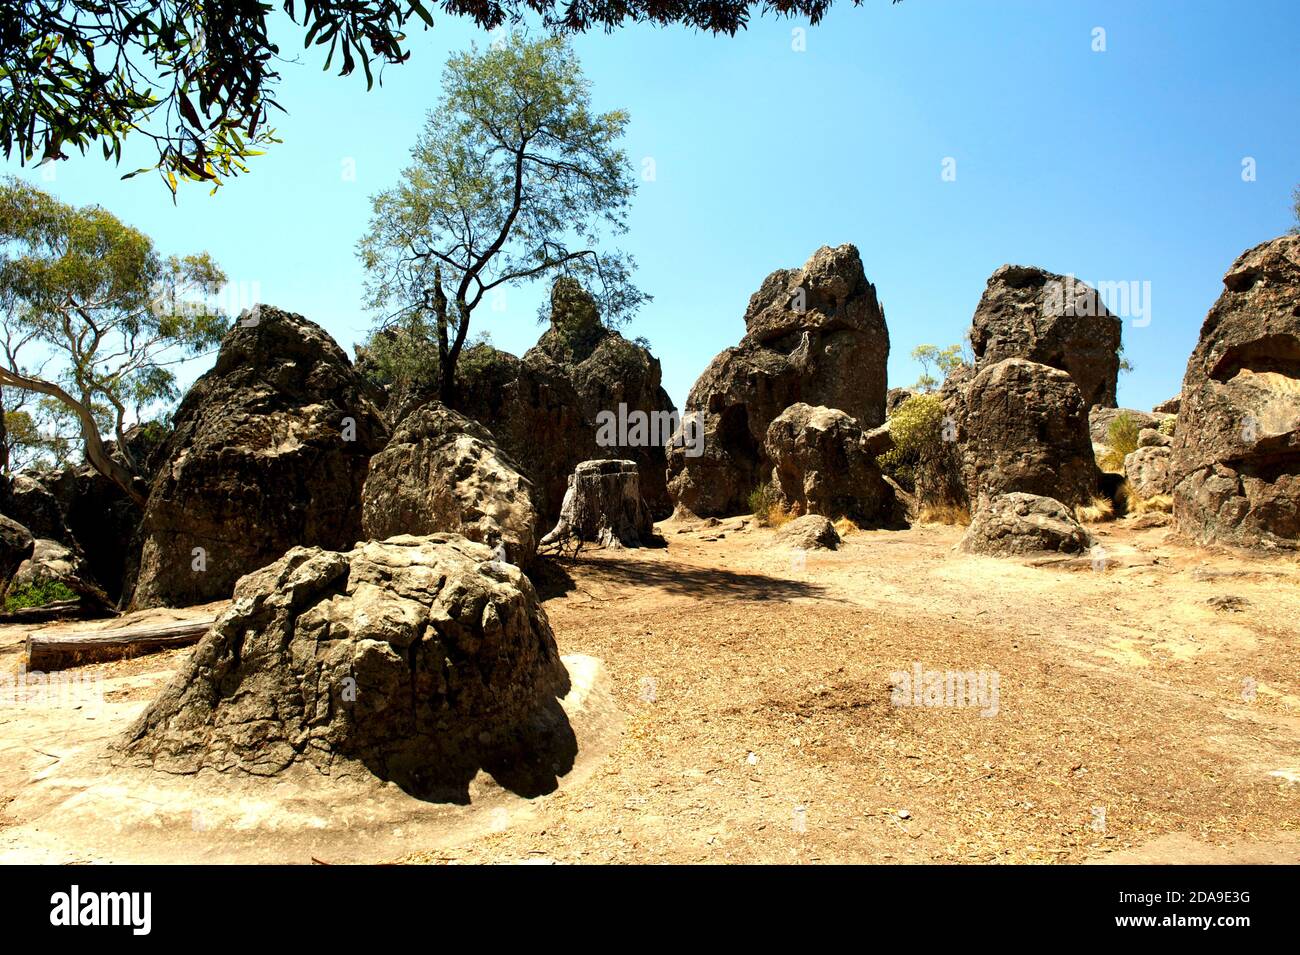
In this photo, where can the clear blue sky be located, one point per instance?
(1123, 165)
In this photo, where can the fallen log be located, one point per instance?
(55, 651)
(59, 610)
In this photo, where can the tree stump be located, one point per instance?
(603, 505)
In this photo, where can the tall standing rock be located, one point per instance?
(442, 472)
(816, 335)
(1028, 312)
(1236, 455)
(270, 451)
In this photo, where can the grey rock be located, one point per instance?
(809, 532)
(1018, 524)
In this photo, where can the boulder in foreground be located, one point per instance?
(810, 532)
(418, 659)
(1018, 524)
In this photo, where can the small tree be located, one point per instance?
(514, 178)
(92, 317)
(944, 360)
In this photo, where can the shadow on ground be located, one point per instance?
(693, 581)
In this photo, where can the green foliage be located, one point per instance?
(916, 427)
(1121, 441)
(38, 594)
(944, 360)
(767, 507)
(513, 178)
(93, 318)
(1167, 425)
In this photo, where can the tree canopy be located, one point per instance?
(93, 317)
(513, 178)
(198, 77)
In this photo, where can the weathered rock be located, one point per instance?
(821, 465)
(810, 532)
(270, 450)
(417, 659)
(1147, 470)
(16, 545)
(1154, 438)
(895, 397)
(1030, 313)
(604, 505)
(1236, 466)
(1022, 426)
(1018, 524)
(815, 335)
(1169, 406)
(1100, 419)
(878, 441)
(51, 561)
(442, 472)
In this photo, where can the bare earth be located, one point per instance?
(743, 714)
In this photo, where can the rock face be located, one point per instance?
(51, 561)
(604, 505)
(442, 472)
(546, 409)
(810, 532)
(417, 659)
(1100, 420)
(16, 543)
(270, 451)
(814, 335)
(1027, 312)
(1021, 426)
(1147, 470)
(1018, 524)
(821, 465)
(1236, 467)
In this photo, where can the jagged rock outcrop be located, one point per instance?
(1169, 406)
(1017, 524)
(270, 451)
(1147, 470)
(442, 472)
(895, 397)
(809, 532)
(1028, 312)
(1101, 419)
(16, 545)
(417, 659)
(816, 335)
(821, 464)
(603, 505)
(1236, 465)
(1015, 426)
(51, 561)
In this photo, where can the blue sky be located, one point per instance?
(1122, 165)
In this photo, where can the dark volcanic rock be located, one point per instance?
(417, 659)
(1236, 455)
(815, 335)
(442, 472)
(1018, 524)
(821, 465)
(270, 451)
(1030, 313)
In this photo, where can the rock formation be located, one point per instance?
(1018, 524)
(810, 532)
(1236, 468)
(1100, 419)
(815, 335)
(821, 464)
(442, 472)
(603, 505)
(16, 544)
(1027, 312)
(417, 659)
(270, 451)
(1147, 470)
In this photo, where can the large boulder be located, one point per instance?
(821, 464)
(815, 335)
(1028, 312)
(604, 506)
(1236, 466)
(417, 659)
(53, 562)
(1022, 426)
(1147, 470)
(270, 451)
(809, 532)
(1018, 524)
(16, 545)
(442, 472)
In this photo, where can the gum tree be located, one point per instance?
(514, 178)
(92, 318)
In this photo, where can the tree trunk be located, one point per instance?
(603, 504)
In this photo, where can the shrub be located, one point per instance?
(1166, 427)
(1097, 510)
(957, 515)
(1121, 441)
(917, 429)
(767, 506)
(38, 594)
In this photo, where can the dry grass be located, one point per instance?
(1111, 461)
(844, 527)
(1099, 509)
(951, 514)
(1163, 503)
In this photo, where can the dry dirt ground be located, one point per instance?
(1147, 709)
